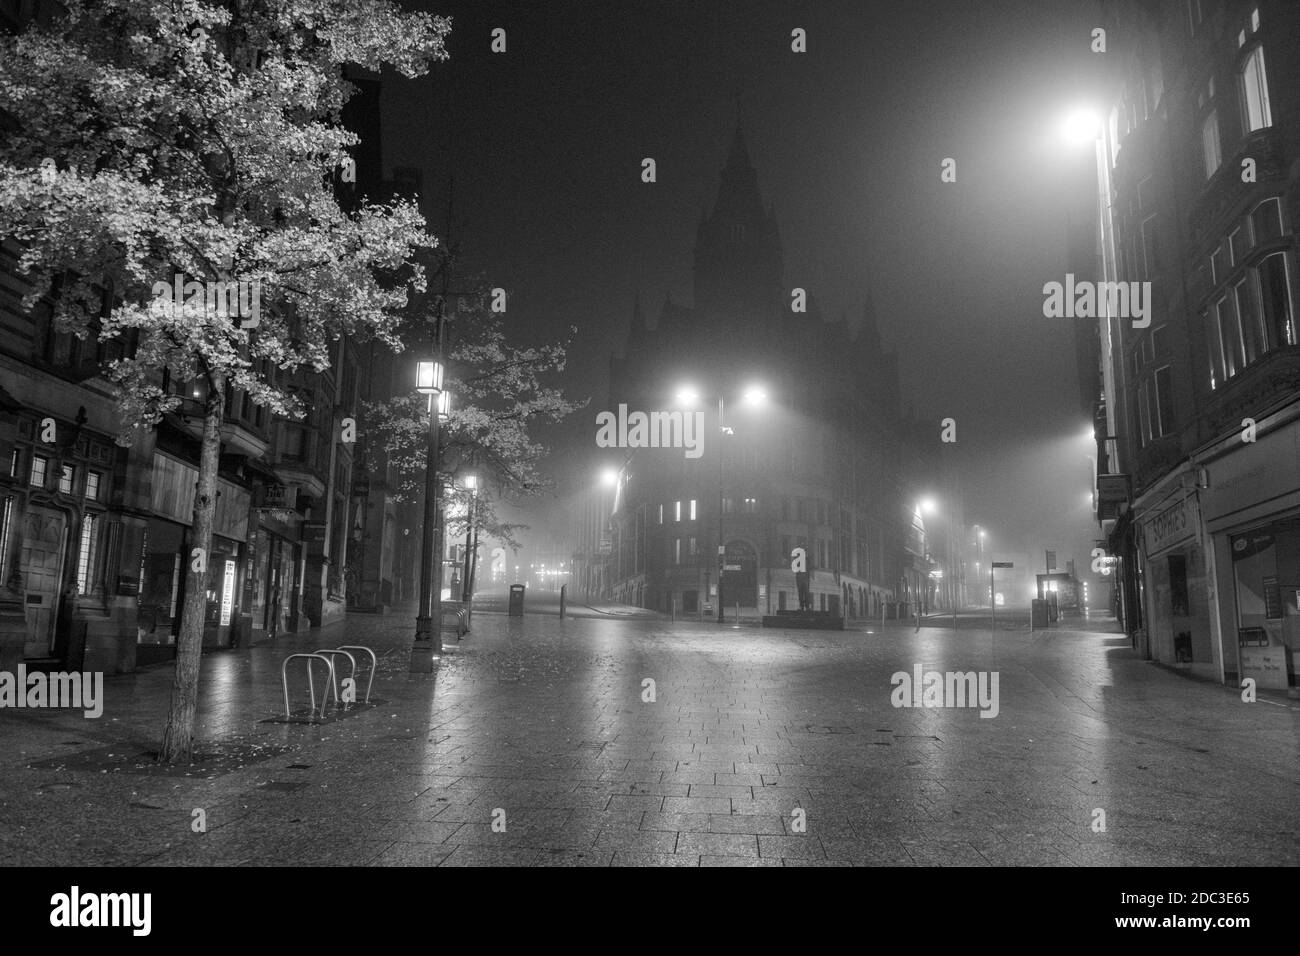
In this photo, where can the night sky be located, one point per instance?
(545, 143)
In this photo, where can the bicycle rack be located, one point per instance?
(374, 664)
(311, 683)
(352, 660)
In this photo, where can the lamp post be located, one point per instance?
(427, 650)
(753, 395)
(471, 549)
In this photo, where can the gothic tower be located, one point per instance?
(738, 263)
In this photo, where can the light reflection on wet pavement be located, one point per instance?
(760, 747)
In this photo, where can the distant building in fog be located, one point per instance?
(816, 467)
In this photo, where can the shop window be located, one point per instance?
(1236, 246)
(1180, 603)
(677, 550)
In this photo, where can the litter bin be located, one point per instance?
(517, 600)
(1038, 611)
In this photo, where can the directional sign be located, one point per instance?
(1004, 564)
(731, 567)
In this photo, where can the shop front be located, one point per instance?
(166, 558)
(1178, 584)
(1252, 511)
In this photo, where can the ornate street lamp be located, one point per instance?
(427, 650)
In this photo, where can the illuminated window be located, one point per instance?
(92, 485)
(1254, 84)
(1275, 298)
(38, 470)
(677, 511)
(65, 480)
(14, 461)
(85, 552)
(1215, 350)
(1253, 337)
(1225, 317)
(692, 509)
(661, 514)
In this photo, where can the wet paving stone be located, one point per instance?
(763, 748)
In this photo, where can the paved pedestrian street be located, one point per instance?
(543, 742)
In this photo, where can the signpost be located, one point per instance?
(993, 594)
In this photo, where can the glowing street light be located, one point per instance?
(427, 650)
(1080, 125)
(752, 396)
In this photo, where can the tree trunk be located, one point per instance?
(178, 735)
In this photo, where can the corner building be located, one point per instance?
(1198, 168)
(814, 466)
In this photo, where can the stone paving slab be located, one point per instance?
(762, 748)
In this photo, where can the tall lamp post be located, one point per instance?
(427, 650)
(753, 395)
(470, 483)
